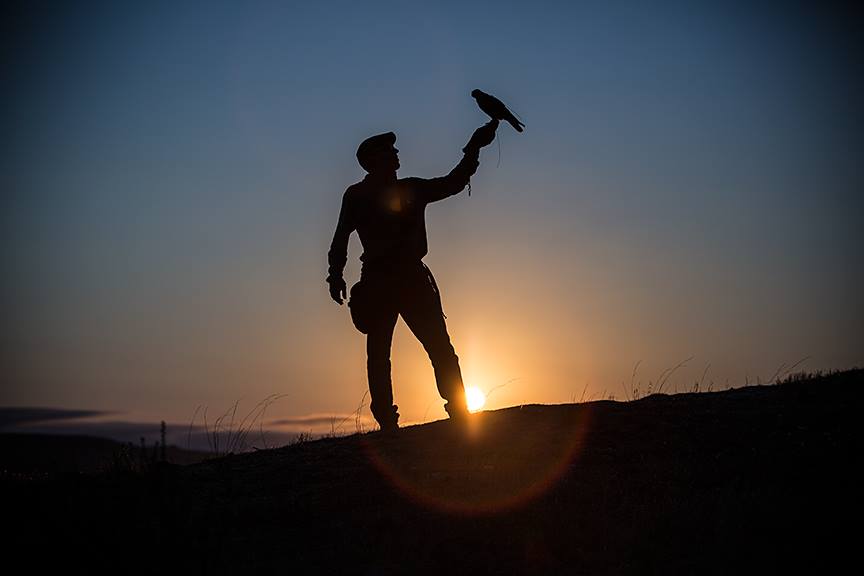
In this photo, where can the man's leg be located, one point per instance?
(421, 309)
(378, 342)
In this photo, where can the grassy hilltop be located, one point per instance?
(754, 479)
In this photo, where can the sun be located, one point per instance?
(475, 397)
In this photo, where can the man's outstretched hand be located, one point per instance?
(338, 289)
(482, 136)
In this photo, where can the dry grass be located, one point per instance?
(226, 438)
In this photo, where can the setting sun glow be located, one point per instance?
(475, 397)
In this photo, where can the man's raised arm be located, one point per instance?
(457, 179)
(337, 256)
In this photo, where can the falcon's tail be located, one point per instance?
(517, 125)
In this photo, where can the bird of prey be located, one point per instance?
(496, 109)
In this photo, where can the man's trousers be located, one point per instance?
(409, 291)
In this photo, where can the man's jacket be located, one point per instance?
(389, 216)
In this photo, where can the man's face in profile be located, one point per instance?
(386, 159)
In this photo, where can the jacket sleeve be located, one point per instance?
(337, 256)
(434, 189)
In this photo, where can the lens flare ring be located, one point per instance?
(497, 461)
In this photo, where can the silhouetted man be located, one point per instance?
(388, 214)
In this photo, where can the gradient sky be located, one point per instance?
(688, 185)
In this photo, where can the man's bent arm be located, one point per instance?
(454, 182)
(458, 178)
(337, 256)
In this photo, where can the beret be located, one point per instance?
(371, 144)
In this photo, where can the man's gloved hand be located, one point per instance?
(482, 136)
(338, 289)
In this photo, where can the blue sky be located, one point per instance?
(688, 185)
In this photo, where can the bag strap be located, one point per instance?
(434, 284)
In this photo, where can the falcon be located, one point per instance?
(496, 109)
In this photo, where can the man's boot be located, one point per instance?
(457, 411)
(390, 422)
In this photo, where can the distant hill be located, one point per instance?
(65, 453)
(750, 480)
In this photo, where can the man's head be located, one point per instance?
(377, 154)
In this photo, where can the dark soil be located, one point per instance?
(752, 480)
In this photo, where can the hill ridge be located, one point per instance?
(736, 480)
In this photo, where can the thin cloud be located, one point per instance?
(315, 420)
(21, 416)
